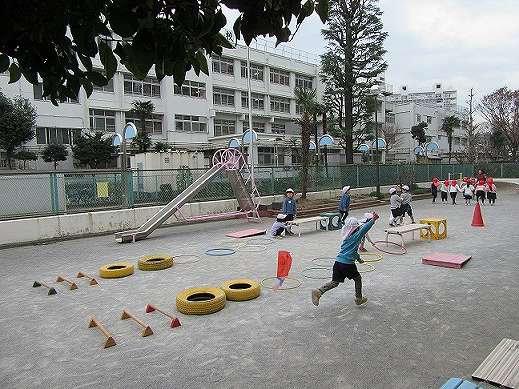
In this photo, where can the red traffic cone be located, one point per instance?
(477, 219)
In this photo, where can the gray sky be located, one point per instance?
(460, 43)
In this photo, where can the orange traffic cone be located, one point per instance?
(477, 219)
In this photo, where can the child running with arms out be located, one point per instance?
(344, 204)
(344, 266)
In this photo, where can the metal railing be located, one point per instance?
(39, 194)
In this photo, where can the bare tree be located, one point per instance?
(501, 110)
(391, 136)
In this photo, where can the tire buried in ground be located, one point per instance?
(241, 289)
(116, 270)
(155, 262)
(200, 301)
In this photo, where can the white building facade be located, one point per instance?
(438, 96)
(201, 116)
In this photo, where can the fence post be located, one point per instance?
(54, 197)
(441, 171)
(358, 179)
(272, 182)
(501, 169)
(129, 188)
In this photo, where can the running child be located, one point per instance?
(454, 189)
(279, 226)
(481, 189)
(344, 266)
(395, 203)
(444, 189)
(468, 192)
(289, 208)
(344, 204)
(434, 188)
(492, 191)
(407, 197)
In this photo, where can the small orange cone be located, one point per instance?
(477, 219)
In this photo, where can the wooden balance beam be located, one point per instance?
(72, 285)
(174, 320)
(93, 281)
(109, 339)
(146, 328)
(41, 283)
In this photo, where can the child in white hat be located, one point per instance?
(289, 208)
(395, 203)
(344, 204)
(279, 226)
(407, 197)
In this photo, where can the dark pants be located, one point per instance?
(434, 195)
(492, 197)
(290, 217)
(480, 194)
(279, 231)
(344, 215)
(444, 196)
(341, 271)
(406, 208)
(453, 197)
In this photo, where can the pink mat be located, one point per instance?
(246, 233)
(455, 261)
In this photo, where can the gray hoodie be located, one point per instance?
(395, 201)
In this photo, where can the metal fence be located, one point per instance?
(38, 194)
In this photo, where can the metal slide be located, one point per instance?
(239, 189)
(165, 213)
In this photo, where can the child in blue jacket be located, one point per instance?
(289, 208)
(344, 204)
(344, 266)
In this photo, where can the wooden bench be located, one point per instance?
(314, 219)
(401, 230)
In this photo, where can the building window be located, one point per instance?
(191, 89)
(62, 136)
(278, 128)
(256, 71)
(153, 123)
(265, 156)
(299, 109)
(256, 126)
(224, 127)
(148, 87)
(418, 118)
(258, 101)
(223, 65)
(304, 82)
(187, 123)
(279, 104)
(278, 76)
(223, 96)
(108, 87)
(102, 120)
(429, 119)
(38, 95)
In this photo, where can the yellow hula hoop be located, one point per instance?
(371, 257)
(369, 267)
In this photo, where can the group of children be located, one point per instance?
(481, 189)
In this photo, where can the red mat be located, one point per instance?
(246, 233)
(455, 261)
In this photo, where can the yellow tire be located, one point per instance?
(116, 270)
(200, 301)
(155, 262)
(241, 289)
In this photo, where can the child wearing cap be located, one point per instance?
(344, 266)
(444, 189)
(434, 188)
(289, 208)
(407, 197)
(344, 204)
(279, 225)
(395, 203)
(468, 192)
(454, 189)
(481, 189)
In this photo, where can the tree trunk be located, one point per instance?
(450, 148)
(55, 165)
(348, 94)
(305, 141)
(314, 118)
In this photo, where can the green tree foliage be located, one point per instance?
(449, 124)
(143, 110)
(17, 121)
(305, 98)
(24, 155)
(54, 153)
(351, 64)
(161, 147)
(501, 110)
(418, 133)
(142, 142)
(93, 150)
(171, 36)
(184, 178)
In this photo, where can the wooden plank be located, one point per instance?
(407, 228)
(501, 366)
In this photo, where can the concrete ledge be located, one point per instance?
(23, 231)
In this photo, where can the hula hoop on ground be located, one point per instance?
(371, 257)
(185, 262)
(316, 268)
(297, 284)
(219, 251)
(401, 249)
(369, 267)
(317, 261)
(252, 248)
(260, 241)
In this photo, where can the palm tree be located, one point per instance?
(143, 110)
(305, 98)
(449, 124)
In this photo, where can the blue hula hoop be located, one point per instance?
(219, 251)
